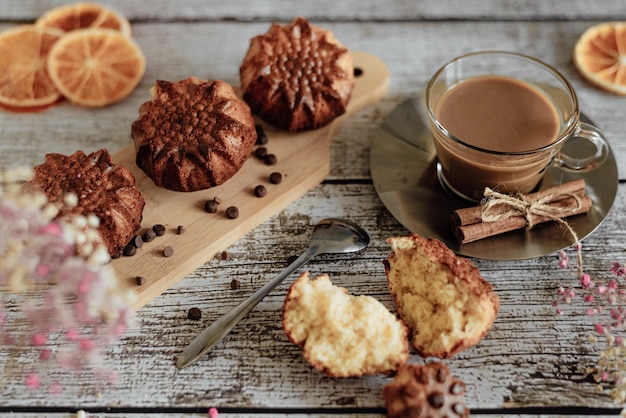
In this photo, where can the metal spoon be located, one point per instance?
(329, 236)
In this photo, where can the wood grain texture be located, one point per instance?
(530, 359)
(329, 10)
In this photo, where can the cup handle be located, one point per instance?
(595, 137)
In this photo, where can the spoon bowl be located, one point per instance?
(330, 236)
(335, 236)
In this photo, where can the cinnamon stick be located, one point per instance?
(469, 226)
(471, 215)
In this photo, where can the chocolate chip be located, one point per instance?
(137, 241)
(358, 72)
(140, 280)
(291, 259)
(194, 314)
(148, 236)
(457, 388)
(276, 178)
(459, 409)
(436, 400)
(180, 230)
(168, 251)
(232, 212)
(116, 255)
(159, 230)
(442, 374)
(260, 191)
(130, 250)
(210, 206)
(413, 411)
(261, 137)
(234, 284)
(260, 152)
(225, 255)
(270, 159)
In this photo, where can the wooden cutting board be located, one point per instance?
(303, 160)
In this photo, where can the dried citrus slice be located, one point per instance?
(84, 15)
(96, 67)
(600, 56)
(24, 78)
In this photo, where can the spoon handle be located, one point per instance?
(223, 325)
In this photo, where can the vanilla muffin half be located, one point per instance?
(340, 334)
(443, 299)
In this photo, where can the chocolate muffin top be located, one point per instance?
(193, 134)
(102, 188)
(297, 77)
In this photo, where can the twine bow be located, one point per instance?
(521, 205)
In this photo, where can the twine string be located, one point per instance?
(521, 205)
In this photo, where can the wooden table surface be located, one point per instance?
(532, 362)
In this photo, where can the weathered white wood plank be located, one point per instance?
(333, 10)
(412, 51)
(531, 357)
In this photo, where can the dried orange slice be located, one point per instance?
(600, 56)
(96, 67)
(84, 15)
(24, 78)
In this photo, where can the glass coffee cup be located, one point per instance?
(501, 119)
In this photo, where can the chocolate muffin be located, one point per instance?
(297, 77)
(102, 188)
(193, 134)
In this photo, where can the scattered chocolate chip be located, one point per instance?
(149, 235)
(260, 152)
(232, 212)
(210, 206)
(260, 191)
(225, 255)
(436, 400)
(234, 284)
(137, 241)
(116, 255)
(180, 230)
(140, 280)
(276, 178)
(130, 250)
(168, 251)
(291, 259)
(194, 314)
(159, 230)
(261, 137)
(358, 72)
(270, 159)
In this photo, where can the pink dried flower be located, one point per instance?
(609, 319)
(77, 300)
(33, 381)
(618, 269)
(585, 281)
